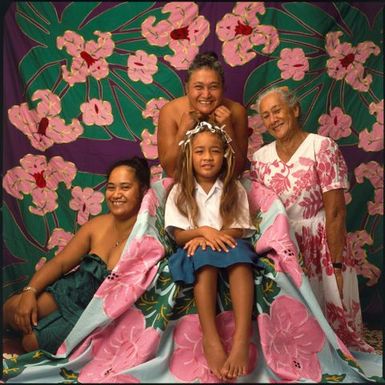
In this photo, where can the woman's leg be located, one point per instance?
(205, 293)
(45, 305)
(242, 298)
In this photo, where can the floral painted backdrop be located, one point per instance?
(84, 82)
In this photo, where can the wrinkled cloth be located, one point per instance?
(143, 327)
(72, 294)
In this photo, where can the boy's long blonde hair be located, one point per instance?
(185, 201)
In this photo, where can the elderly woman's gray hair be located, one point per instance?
(288, 96)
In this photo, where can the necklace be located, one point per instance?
(119, 241)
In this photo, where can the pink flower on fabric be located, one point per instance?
(345, 350)
(374, 140)
(277, 242)
(336, 125)
(43, 126)
(88, 58)
(184, 32)
(149, 144)
(141, 66)
(152, 109)
(356, 241)
(40, 179)
(156, 173)
(293, 63)
(255, 139)
(260, 197)
(167, 182)
(40, 263)
(59, 238)
(347, 62)
(87, 202)
(241, 30)
(149, 203)
(291, 339)
(97, 112)
(375, 174)
(123, 344)
(131, 276)
(188, 362)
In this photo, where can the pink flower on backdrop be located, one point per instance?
(88, 58)
(188, 362)
(291, 339)
(277, 241)
(40, 179)
(184, 32)
(374, 140)
(43, 126)
(131, 276)
(255, 139)
(378, 110)
(241, 30)
(375, 174)
(123, 344)
(40, 263)
(87, 202)
(141, 66)
(293, 63)
(149, 144)
(336, 125)
(149, 203)
(347, 62)
(152, 109)
(97, 112)
(260, 197)
(59, 238)
(156, 173)
(356, 241)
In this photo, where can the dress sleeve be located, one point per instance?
(331, 167)
(173, 218)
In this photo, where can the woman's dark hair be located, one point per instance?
(140, 165)
(206, 60)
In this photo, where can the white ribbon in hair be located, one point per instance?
(207, 126)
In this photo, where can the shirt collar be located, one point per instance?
(218, 185)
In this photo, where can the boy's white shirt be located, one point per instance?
(208, 205)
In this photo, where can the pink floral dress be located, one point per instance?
(316, 167)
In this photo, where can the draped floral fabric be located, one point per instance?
(84, 81)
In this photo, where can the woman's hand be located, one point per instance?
(194, 243)
(218, 239)
(188, 121)
(222, 116)
(26, 312)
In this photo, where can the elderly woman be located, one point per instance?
(307, 171)
(204, 100)
(49, 306)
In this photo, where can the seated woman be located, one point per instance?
(49, 306)
(307, 171)
(204, 100)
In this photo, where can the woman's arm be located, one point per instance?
(335, 213)
(236, 125)
(50, 272)
(170, 133)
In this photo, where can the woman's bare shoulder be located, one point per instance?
(234, 106)
(97, 223)
(175, 105)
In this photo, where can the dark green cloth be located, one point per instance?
(72, 293)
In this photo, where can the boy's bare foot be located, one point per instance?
(215, 356)
(238, 360)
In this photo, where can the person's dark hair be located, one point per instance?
(206, 60)
(140, 165)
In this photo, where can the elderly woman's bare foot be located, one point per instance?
(215, 356)
(237, 362)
